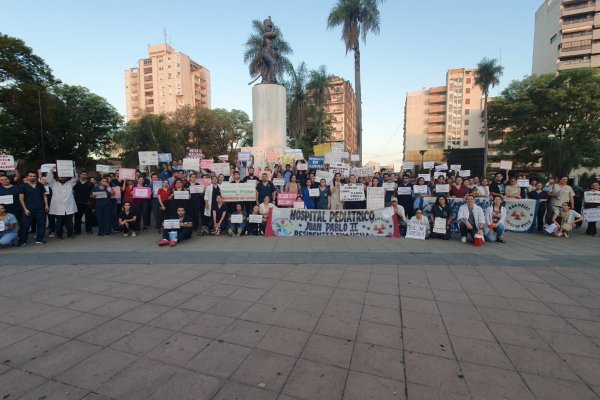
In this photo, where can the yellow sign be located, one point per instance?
(321, 149)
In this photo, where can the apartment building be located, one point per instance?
(567, 35)
(342, 108)
(165, 81)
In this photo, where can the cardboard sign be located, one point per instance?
(313, 192)
(355, 157)
(127, 174)
(523, 183)
(316, 162)
(404, 190)
(426, 177)
(465, 173)
(375, 198)
(148, 157)
(408, 165)
(441, 167)
(196, 189)
(206, 164)
(420, 189)
(255, 219)
(141, 192)
(102, 168)
(221, 168)
(237, 218)
(64, 169)
(171, 224)
(455, 167)
(439, 225)
(302, 166)
(181, 195)
(298, 205)
(591, 197)
(415, 231)
(442, 188)
(244, 156)
(286, 199)
(389, 186)
(7, 162)
(352, 192)
(191, 164)
(506, 165)
(165, 157)
(8, 199)
(428, 164)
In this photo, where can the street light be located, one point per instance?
(422, 152)
(41, 121)
(551, 138)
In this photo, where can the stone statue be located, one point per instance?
(269, 60)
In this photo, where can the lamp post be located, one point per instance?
(422, 152)
(551, 138)
(42, 142)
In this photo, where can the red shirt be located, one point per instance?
(164, 194)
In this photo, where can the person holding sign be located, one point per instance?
(82, 191)
(34, 203)
(471, 218)
(309, 201)
(420, 220)
(324, 199)
(512, 191)
(197, 199)
(237, 221)
(8, 227)
(254, 224)
(63, 205)
(542, 196)
(419, 197)
(441, 218)
(458, 189)
(495, 218)
(565, 220)
(164, 196)
(591, 228)
(497, 186)
(180, 198)
(400, 215)
(219, 217)
(141, 204)
(9, 196)
(264, 208)
(405, 194)
(102, 195)
(265, 188)
(484, 188)
(561, 193)
(176, 234)
(336, 187)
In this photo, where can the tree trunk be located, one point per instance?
(358, 101)
(485, 122)
(320, 125)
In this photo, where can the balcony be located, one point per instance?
(437, 90)
(578, 8)
(579, 22)
(436, 118)
(574, 63)
(437, 109)
(431, 139)
(575, 48)
(437, 99)
(439, 128)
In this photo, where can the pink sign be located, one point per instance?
(126, 174)
(206, 164)
(194, 153)
(141, 192)
(286, 199)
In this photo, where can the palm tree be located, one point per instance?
(487, 75)
(253, 52)
(357, 18)
(296, 87)
(318, 89)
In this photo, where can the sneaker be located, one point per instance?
(567, 234)
(133, 234)
(230, 232)
(51, 235)
(239, 233)
(173, 243)
(125, 234)
(501, 240)
(463, 239)
(40, 242)
(22, 245)
(163, 242)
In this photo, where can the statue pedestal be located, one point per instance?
(268, 119)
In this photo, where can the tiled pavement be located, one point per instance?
(119, 325)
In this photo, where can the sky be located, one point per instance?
(92, 43)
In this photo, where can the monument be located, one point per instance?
(268, 102)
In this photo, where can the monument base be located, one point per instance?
(268, 119)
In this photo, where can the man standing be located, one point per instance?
(471, 218)
(497, 186)
(265, 188)
(34, 203)
(405, 195)
(561, 193)
(248, 205)
(63, 205)
(82, 192)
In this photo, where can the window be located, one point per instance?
(466, 132)
(468, 90)
(553, 38)
(467, 101)
(465, 143)
(148, 94)
(468, 81)
(466, 122)
(466, 111)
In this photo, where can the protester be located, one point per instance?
(63, 206)
(172, 236)
(495, 219)
(419, 219)
(458, 189)
(400, 215)
(82, 192)
(196, 203)
(292, 185)
(336, 186)
(542, 196)
(471, 219)
(235, 228)
(324, 198)
(103, 207)
(405, 200)
(561, 193)
(8, 227)
(442, 210)
(565, 220)
(34, 203)
(497, 186)
(591, 228)
(309, 202)
(8, 189)
(265, 188)
(127, 219)
(218, 223)
(419, 198)
(254, 228)
(512, 191)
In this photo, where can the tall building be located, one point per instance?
(443, 117)
(567, 34)
(342, 107)
(164, 82)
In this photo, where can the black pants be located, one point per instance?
(83, 209)
(464, 231)
(64, 221)
(40, 224)
(541, 212)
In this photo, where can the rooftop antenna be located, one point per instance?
(165, 34)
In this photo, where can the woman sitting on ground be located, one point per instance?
(441, 209)
(565, 220)
(8, 224)
(419, 219)
(495, 218)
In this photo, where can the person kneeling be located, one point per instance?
(219, 217)
(237, 223)
(565, 220)
(472, 220)
(495, 217)
(173, 234)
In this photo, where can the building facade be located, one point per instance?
(443, 118)
(341, 107)
(567, 36)
(165, 81)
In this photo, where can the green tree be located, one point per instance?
(357, 18)
(254, 46)
(296, 91)
(552, 120)
(18, 63)
(318, 88)
(487, 76)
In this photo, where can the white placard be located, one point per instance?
(171, 224)
(302, 167)
(352, 193)
(181, 195)
(389, 186)
(2, 228)
(438, 174)
(408, 165)
(428, 164)
(364, 171)
(299, 205)
(523, 183)
(100, 195)
(441, 167)
(591, 197)
(148, 157)
(439, 225)
(420, 189)
(375, 198)
(196, 189)
(465, 173)
(8, 199)
(255, 219)
(7, 162)
(64, 168)
(221, 168)
(278, 182)
(388, 212)
(551, 228)
(47, 167)
(591, 214)
(506, 165)
(442, 188)
(327, 175)
(404, 190)
(355, 157)
(426, 177)
(191, 164)
(244, 156)
(237, 218)
(455, 167)
(102, 168)
(313, 192)
(415, 231)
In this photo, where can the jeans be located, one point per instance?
(492, 237)
(64, 220)
(40, 222)
(83, 209)
(104, 215)
(235, 227)
(7, 238)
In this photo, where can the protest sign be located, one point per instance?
(7, 162)
(8, 199)
(296, 154)
(441, 167)
(426, 177)
(191, 164)
(2, 227)
(465, 173)
(375, 198)
(278, 182)
(302, 166)
(221, 168)
(116, 192)
(155, 186)
(64, 169)
(194, 153)
(332, 157)
(294, 222)
(523, 183)
(404, 190)
(341, 168)
(420, 189)
(591, 214)
(388, 212)
(100, 195)
(506, 165)
(442, 188)
(352, 192)
(171, 224)
(455, 167)
(389, 186)
(181, 195)
(327, 175)
(141, 192)
(255, 219)
(47, 167)
(148, 158)
(237, 218)
(428, 164)
(408, 165)
(364, 171)
(126, 174)
(321, 149)
(415, 231)
(313, 192)
(102, 168)
(299, 205)
(286, 199)
(337, 146)
(551, 228)
(438, 174)
(591, 197)
(206, 163)
(165, 157)
(196, 189)
(439, 225)
(238, 192)
(315, 162)
(244, 156)
(355, 157)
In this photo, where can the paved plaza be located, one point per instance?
(301, 318)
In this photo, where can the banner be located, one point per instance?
(364, 171)
(239, 192)
(286, 199)
(221, 168)
(321, 149)
(352, 193)
(316, 162)
(294, 222)
(191, 164)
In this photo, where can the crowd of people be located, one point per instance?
(180, 203)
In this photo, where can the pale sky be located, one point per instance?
(92, 43)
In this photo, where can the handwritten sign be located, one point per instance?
(591, 214)
(426, 177)
(364, 171)
(313, 192)
(47, 167)
(221, 168)
(64, 168)
(352, 193)
(355, 157)
(389, 186)
(196, 189)
(7, 162)
(591, 197)
(387, 212)
(402, 190)
(408, 165)
(442, 188)
(8, 199)
(327, 175)
(102, 168)
(278, 182)
(302, 166)
(238, 192)
(523, 183)
(100, 195)
(206, 164)
(428, 164)
(506, 165)
(237, 218)
(465, 173)
(171, 224)
(299, 205)
(244, 156)
(191, 164)
(286, 199)
(181, 195)
(375, 198)
(420, 189)
(141, 192)
(439, 225)
(148, 157)
(455, 167)
(441, 167)
(165, 157)
(126, 174)
(194, 153)
(255, 219)
(415, 231)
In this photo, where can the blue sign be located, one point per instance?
(164, 157)
(316, 162)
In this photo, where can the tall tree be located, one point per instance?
(318, 88)
(487, 76)
(297, 96)
(550, 120)
(357, 18)
(254, 51)
(18, 63)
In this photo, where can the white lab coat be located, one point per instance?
(63, 202)
(463, 212)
